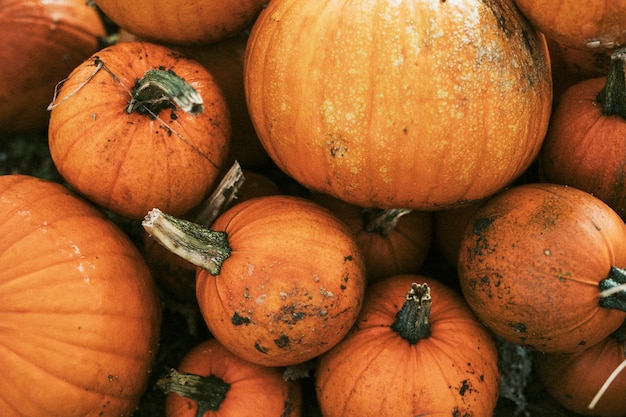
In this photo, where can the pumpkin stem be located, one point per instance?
(382, 221)
(613, 95)
(207, 391)
(199, 245)
(160, 89)
(220, 199)
(412, 322)
(613, 290)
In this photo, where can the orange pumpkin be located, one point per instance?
(421, 353)
(584, 146)
(281, 278)
(138, 126)
(188, 22)
(210, 380)
(40, 43)
(576, 380)
(393, 241)
(535, 261)
(369, 95)
(594, 24)
(80, 317)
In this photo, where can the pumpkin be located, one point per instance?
(576, 380)
(189, 22)
(449, 228)
(281, 279)
(594, 24)
(416, 349)
(341, 105)
(210, 379)
(40, 43)
(584, 146)
(538, 263)
(80, 316)
(138, 126)
(393, 241)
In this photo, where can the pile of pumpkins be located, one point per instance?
(294, 164)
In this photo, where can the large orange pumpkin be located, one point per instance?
(182, 22)
(417, 349)
(594, 24)
(79, 314)
(40, 43)
(210, 379)
(281, 279)
(398, 104)
(534, 263)
(138, 126)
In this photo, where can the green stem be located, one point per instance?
(412, 322)
(613, 95)
(199, 245)
(160, 89)
(382, 221)
(207, 391)
(613, 290)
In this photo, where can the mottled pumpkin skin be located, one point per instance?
(418, 104)
(255, 390)
(80, 319)
(375, 372)
(41, 42)
(586, 149)
(594, 24)
(292, 287)
(531, 261)
(573, 379)
(182, 22)
(131, 163)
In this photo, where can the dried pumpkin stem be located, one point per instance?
(159, 89)
(613, 95)
(199, 245)
(223, 195)
(207, 391)
(613, 290)
(382, 221)
(412, 322)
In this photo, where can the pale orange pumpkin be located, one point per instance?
(399, 104)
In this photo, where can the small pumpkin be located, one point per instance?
(416, 349)
(341, 105)
(281, 279)
(594, 24)
(80, 318)
(210, 380)
(40, 43)
(590, 382)
(138, 126)
(393, 241)
(182, 23)
(584, 146)
(538, 263)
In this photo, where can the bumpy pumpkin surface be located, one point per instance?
(132, 158)
(534, 263)
(416, 104)
(451, 370)
(79, 318)
(40, 43)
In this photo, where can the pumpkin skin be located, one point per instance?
(43, 41)
(376, 372)
(573, 379)
(80, 320)
(292, 287)
(592, 24)
(530, 265)
(182, 22)
(255, 390)
(341, 104)
(130, 163)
